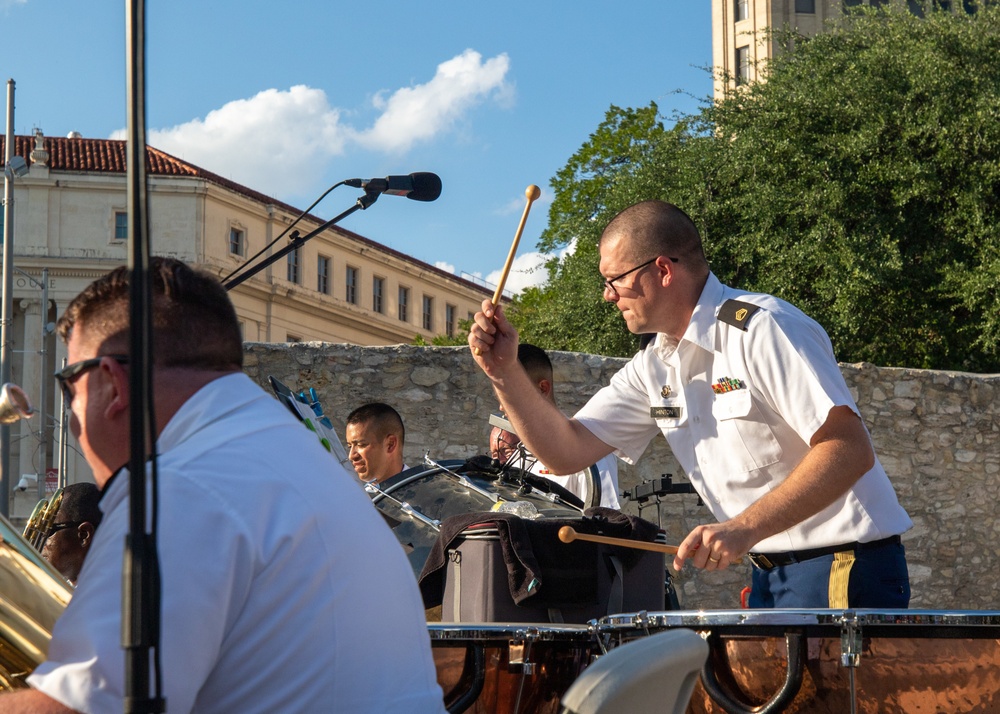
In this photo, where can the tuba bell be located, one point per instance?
(32, 597)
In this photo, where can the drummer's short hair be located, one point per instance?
(383, 418)
(79, 503)
(535, 361)
(659, 228)
(193, 320)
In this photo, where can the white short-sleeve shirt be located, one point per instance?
(283, 590)
(738, 409)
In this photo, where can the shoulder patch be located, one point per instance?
(737, 313)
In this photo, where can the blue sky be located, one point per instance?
(290, 98)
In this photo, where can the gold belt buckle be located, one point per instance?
(761, 561)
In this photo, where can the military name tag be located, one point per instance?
(665, 412)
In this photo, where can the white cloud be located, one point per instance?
(528, 270)
(421, 112)
(446, 267)
(281, 142)
(276, 142)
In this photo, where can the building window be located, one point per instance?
(805, 7)
(743, 65)
(121, 225)
(378, 290)
(428, 321)
(323, 274)
(449, 320)
(404, 304)
(294, 261)
(351, 285)
(742, 9)
(237, 241)
(851, 3)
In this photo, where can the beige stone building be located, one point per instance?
(70, 221)
(740, 43)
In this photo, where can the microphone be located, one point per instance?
(419, 186)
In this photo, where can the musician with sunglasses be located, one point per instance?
(267, 603)
(71, 534)
(747, 392)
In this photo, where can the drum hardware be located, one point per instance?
(428, 461)
(850, 653)
(717, 660)
(518, 662)
(483, 681)
(405, 507)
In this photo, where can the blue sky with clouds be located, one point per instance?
(290, 98)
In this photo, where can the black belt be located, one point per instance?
(767, 561)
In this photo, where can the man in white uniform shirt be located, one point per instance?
(748, 394)
(282, 590)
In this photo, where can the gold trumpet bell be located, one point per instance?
(32, 597)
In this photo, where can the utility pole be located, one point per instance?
(7, 296)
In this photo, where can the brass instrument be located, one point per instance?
(41, 520)
(32, 597)
(14, 404)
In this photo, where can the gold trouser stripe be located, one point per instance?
(840, 576)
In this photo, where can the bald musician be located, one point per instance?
(267, 599)
(748, 394)
(503, 444)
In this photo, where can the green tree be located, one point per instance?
(860, 182)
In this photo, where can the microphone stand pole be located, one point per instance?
(295, 240)
(140, 566)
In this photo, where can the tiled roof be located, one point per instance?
(110, 156)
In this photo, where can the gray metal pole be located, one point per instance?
(7, 297)
(43, 410)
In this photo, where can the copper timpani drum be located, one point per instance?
(415, 501)
(509, 668)
(836, 661)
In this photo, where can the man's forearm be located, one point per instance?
(31, 701)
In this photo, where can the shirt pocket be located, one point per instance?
(746, 444)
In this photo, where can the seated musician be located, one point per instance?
(266, 595)
(503, 444)
(375, 436)
(72, 531)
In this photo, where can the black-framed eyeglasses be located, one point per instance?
(71, 371)
(56, 527)
(609, 283)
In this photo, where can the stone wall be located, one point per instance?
(937, 433)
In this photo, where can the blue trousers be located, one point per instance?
(877, 578)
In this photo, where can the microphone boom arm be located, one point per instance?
(295, 240)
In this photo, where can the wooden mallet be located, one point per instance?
(568, 534)
(531, 193)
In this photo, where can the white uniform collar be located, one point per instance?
(701, 328)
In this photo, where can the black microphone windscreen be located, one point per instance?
(426, 186)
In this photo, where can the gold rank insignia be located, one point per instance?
(741, 314)
(665, 392)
